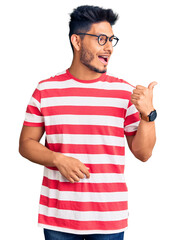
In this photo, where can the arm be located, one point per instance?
(142, 144)
(30, 148)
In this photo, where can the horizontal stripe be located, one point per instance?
(33, 118)
(84, 110)
(33, 110)
(83, 186)
(130, 133)
(131, 110)
(85, 92)
(30, 124)
(34, 102)
(84, 129)
(86, 139)
(132, 119)
(37, 95)
(83, 216)
(85, 196)
(100, 168)
(61, 83)
(83, 206)
(98, 158)
(84, 101)
(82, 225)
(83, 148)
(94, 178)
(131, 128)
(84, 120)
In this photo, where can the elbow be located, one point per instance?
(143, 157)
(21, 149)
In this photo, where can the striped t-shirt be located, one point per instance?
(87, 120)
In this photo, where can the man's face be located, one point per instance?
(93, 55)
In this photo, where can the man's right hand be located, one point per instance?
(71, 168)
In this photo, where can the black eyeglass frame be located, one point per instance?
(98, 36)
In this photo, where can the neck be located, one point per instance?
(80, 71)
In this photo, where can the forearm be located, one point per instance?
(144, 140)
(37, 153)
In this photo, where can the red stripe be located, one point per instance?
(83, 225)
(61, 77)
(84, 187)
(31, 124)
(84, 129)
(86, 149)
(84, 110)
(132, 119)
(86, 92)
(33, 110)
(130, 133)
(83, 206)
(37, 95)
(101, 168)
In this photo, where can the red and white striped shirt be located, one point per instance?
(87, 120)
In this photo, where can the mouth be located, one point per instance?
(104, 59)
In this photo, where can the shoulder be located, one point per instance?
(121, 83)
(59, 77)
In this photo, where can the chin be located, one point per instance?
(97, 70)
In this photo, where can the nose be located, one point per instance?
(108, 46)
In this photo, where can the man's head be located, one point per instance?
(93, 51)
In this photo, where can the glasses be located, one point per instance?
(102, 38)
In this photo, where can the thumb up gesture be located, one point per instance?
(142, 98)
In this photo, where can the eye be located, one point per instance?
(102, 39)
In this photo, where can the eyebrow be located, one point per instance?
(104, 34)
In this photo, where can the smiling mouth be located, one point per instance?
(104, 59)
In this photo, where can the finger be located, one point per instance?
(86, 172)
(151, 85)
(138, 91)
(71, 180)
(75, 178)
(140, 87)
(80, 175)
(135, 97)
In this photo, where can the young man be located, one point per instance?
(86, 114)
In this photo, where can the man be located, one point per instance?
(86, 114)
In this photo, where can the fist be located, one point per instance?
(142, 98)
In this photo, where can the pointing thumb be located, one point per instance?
(151, 85)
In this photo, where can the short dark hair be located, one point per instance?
(82, 18)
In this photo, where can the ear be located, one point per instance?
(76, 41)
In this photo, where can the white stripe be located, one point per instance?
(84, 196)
(131, 110)
(34, 102)
(84, 101)
(71, 83)
(33, 118)
(86, 139)
(83, 216)
(98, 158)
(94, 177)
(132, 127)
(85, 120)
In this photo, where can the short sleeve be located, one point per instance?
(132, 120)
(33, 116)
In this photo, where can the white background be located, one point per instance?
(34, 46)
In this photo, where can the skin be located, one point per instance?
(85, 61)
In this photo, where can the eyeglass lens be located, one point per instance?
(103, 39)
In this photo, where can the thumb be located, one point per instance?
(151, 85)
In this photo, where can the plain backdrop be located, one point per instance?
(34, 45)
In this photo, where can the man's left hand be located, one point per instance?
(142, 98)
